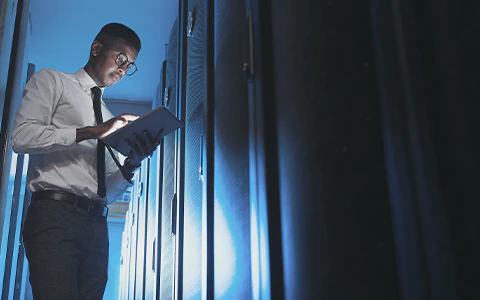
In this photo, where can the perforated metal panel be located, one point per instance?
(154, 189)
(192, 253)
(167, 246)
(231, 173)
(134, 247)
(142, 198)
(125, 259)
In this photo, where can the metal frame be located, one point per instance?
(13, 228)
(264, 180)
(159, 188)
(13, 94)
(208, 153)
(180, 149)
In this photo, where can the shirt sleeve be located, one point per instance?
(32, 131)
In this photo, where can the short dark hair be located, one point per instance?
(117, 30)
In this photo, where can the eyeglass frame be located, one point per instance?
(126, 62)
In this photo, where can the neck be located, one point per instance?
(89, 69)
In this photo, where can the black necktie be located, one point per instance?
(97, 108)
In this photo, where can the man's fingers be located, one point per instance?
(159, 137)
(134, 147)
(120, 122)
(150, 144)
(142, 145)
(148, 137)
(129, 117)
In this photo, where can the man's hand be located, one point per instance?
(141, 147)
(104, 129)
(113, 124)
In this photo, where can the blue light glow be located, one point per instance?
(225, 253)
(255, 252)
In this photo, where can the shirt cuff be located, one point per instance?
(66, 136)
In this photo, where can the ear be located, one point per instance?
(95, 48)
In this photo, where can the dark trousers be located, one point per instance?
(67, 251)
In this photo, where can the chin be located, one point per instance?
(109, 82)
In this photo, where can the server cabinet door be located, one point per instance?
(232, 267)
(192, 246)
(142, 198)
(324, 133)
(123, 260)
(154, 188)
(128, 251)
(167, 264)
(134, 248)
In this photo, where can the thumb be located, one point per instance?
(129, 117)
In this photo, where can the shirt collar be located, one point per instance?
(85, 80)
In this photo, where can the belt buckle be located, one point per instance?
(91, 206)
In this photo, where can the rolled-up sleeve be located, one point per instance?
(32, 131)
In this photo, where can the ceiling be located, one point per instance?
(62, 32)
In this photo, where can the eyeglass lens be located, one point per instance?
(121, 60)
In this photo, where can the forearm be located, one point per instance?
(84, 133)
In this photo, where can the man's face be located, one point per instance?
(107, 70)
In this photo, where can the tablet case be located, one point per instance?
(153, 121)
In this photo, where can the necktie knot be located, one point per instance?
(96, 91)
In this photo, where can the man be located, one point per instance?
(59, 123)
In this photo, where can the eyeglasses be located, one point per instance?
(122, 60)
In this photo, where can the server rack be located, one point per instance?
(244, 210)
(169, 197)
(231, 186)
(193, 255)
(154, 208)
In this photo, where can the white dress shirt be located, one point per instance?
(54, 105)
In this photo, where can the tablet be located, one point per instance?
(154, 121)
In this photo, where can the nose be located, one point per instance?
(122, 71)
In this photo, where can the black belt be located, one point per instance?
(96, 207)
